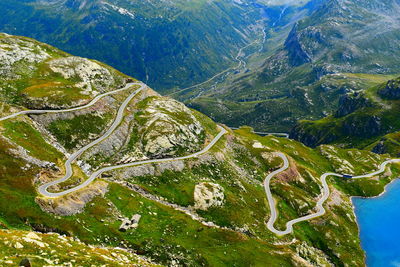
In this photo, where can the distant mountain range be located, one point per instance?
(301, 80)
(165, 43)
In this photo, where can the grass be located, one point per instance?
(70, 133)
(26, 136)
(36, 85)
(59, 250)
(164, 233)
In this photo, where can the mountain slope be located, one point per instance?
(339, 37)
(204, 209)
(365, 120)
(166, 43)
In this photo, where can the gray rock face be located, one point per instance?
(137, 171)
(16, 54)
(312, 139)
(150, 169)
(208, 195)
(391, 90)
(20, 152)
(73, 203)
(91, 76)
(296, 50)
(169, 127)
(351, 102)
(380, 148)
(363, 126)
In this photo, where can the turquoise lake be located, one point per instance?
(379, 222)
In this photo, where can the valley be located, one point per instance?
(81, 167)
(199, 133)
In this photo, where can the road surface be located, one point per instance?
(68, 164)
(43, 188)
(325, 194)
(91, 103)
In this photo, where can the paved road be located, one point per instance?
(237, 58)
(68, 164)
(43, 188)
(325, 194)
(91, 103)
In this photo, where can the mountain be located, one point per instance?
(169, 187)
(166, 43)
(364, 120)
(321, 59)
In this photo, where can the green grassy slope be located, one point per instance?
(371, 126)
(179, 224)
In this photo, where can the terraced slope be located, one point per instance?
(193, 211)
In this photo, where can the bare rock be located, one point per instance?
(130, 224)
(208, 195)
(92, 76)
(169, 127)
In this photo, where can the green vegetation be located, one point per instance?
(45, 249)
(32, 81)
(184, 220)
(370, 126)
(23, 134)
(155, 42)
(73, 132)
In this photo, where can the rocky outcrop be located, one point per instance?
(312, 255)
(295, 49)
(290, 175)
(130, 223)
(16, 54)
(311, 136)
(340, 165)
(380, 148)
(151, 169)
(391, 90)
(349, 103)
(208, 195)
(72, 203)
(20, 152)
(91, 76)
(363, 126)
(169, 128)
(27, 248)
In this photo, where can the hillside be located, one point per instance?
(165, 43)
(365, 120)
(320, 60)
(169, 184)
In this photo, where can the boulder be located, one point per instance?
(130, 223)
(208, 195)
(25, 262)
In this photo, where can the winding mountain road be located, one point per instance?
(43, 189)
(91, 103)
(321, 201)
